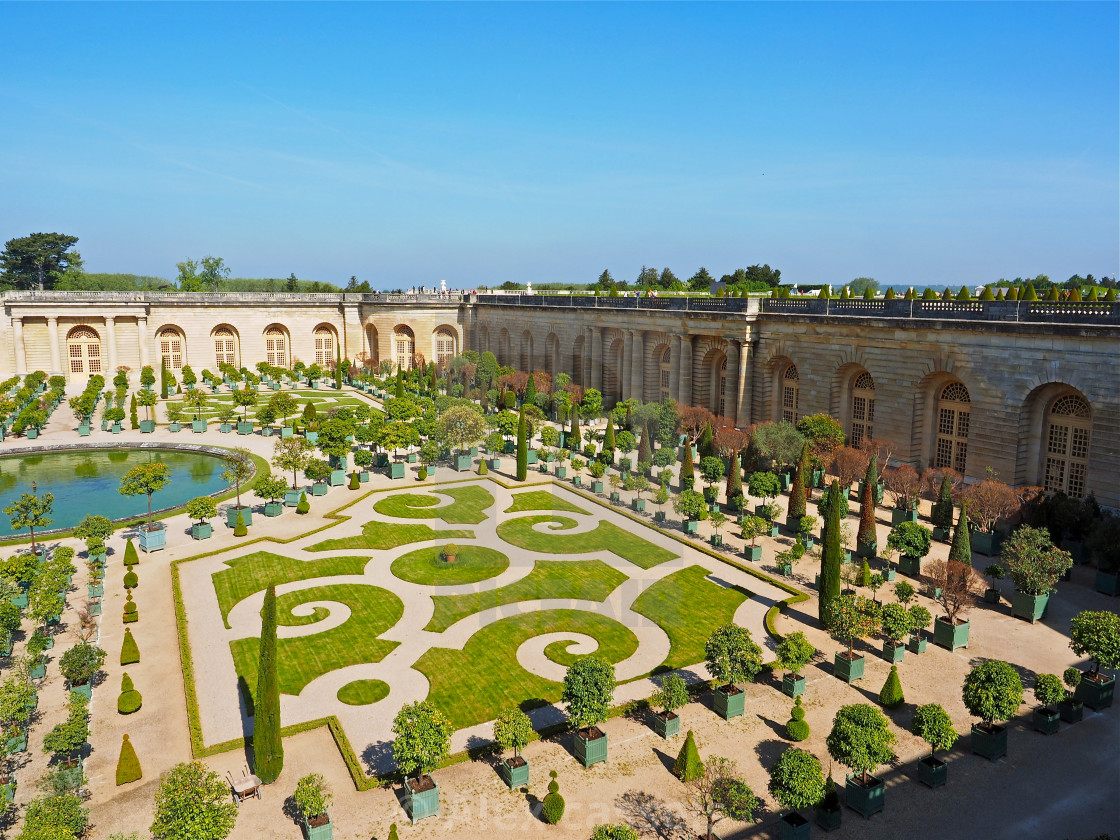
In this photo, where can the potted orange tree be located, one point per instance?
(513, 731)
(992, 692)
(796, 781)
(851, 617)
(1049, 692)
(1096, 634)
(313, 798)
(861, 739)
(588, 690)
(934, 726)
(732, 657)
(670, 696)
(423, 739)
(794, 653)
(955, 582)
(1035, 565)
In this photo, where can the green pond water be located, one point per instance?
(88, 482)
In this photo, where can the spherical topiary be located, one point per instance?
(553, 787)
(891, 696)
(422, 473)
(304, 506)
(131, 579)
(130, 699)
(239, 529)
(131, 614)
(553, 809)
(796, 727)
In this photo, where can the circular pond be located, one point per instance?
(87, 481)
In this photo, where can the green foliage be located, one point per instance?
(686, 476)
(201, 508)
(354, 481)
(31, 511)
(891, 696)
(58, 817)
(910, 539)
(144, 480)
(128, 764)
(941, 514)
(1072, 678)
(1048, 689)
(865, 536)
(831, 554)
(304, 506)
(993, 691)
(9, 618)
(1033, 561)
(934, 726)
(193, 803)
(691, 505)
(513, 730)
(732, 656)
(618, 831)
(896, 623)
(1096, 634)
(764, 485)
(268, 747)
(864, 574)
(130, 699)
(851, 617)
(960, 551)
(671, 695)
(131, 579)
(67, 737)
(796, 779)
(795, 652)
(79, 664)
(312, 796)
(797, 489)
(482, 468)
(588, 691)
(861, 738)
(522, 469)
(796, 727)
(688, 765)
(393, 832)
(130, 652)
(423, 738)
(239, 529)
(552, 809)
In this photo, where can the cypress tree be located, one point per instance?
(831, 556)
(891, 696)
(686, 479)
(531, 389)
(1012, 294)
(705, 447)
(645, 454)
(522, 447)
(268, 747)
(734, 478)
(929, 294)
(1053, 296)
(164, 377)
(941, 514)
(608, 439)
(844, 295)
(132, 418)
(796, 507)
(961, 549)
(868, 294)
(575, 440)
(398, 389)
(866, 541)
(338, 369)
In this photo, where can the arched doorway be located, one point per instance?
(276, 347)
(791, 385)
(83, 349)
(863, 409)
(404, 347)
(1066, 445)
(953, 411)
(325, 347)
(171, 349)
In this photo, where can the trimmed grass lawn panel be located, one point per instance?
(606, 537)
(579, 580)
(379, 536)
(688, 608)
(466, 509)
(373, 610)
(541, 500)
(363, 692)
(472, 564)
(473, 685)
(256, 572)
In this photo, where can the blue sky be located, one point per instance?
(408, 143)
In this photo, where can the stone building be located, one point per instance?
(1029, 389)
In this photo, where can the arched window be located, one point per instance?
(445, 344)
(276, 347)
(721, 403)
(952, 427)
(225, 347)
(83, 348)
(863, 408)
(1067, 445)
(171, 348)
(664, 374)
(404, 346)
(324, 347)
(790, 387)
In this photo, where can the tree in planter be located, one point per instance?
(960, 551)
(423, 739)
(148, 400)
(670, 696)
(239, 469)
(690, 505)
(271, 488)
(934, 726)
(711, 469)
(764, 485)
(513, 731)
(193, 802)
(522, 466)
(313, 798)
(720, 793)
(686, 477)
(79, 664)
(797, 492)
(292, 455)
(588, 690)
(861, 739)
(831, 554)
(797, 780)
(795, 652)
(903, 486)
(732, 657)
(202, 508)
(660, 497)
(1033, 562)
(990, 501)
(957, 583)
(94, 529)
(1049, 692)
(896, 623)
(718, 520)
(71, 735)
(31, 511)
(1096, 634)
(196, 401)
(992, 692)
(60, 816)
(245, 398)
(144, 480)
(910, 539)
(852, 617)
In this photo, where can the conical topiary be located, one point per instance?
(796, 728)
(865, 574)
(128, 765)
(482, 468)
(354, 481)
(304, 506)
(1029, 293)
(131, 557)
(688, 765)
(130, 653)
(130, 699)
(891, 697)
(961, 549)
(393, 832)
(131, 580)
(239, 529)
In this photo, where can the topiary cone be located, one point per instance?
(128, 765)
(131, 556)
(393, 832)
(354, 483)
(960, 551)
(688, 765)
(482, 468)
(130, 652)
(891, 696)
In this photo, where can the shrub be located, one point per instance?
(1032, 561)
(796, 779)
(131, 614)
(993, 691)
(422, 474)
(553, 810)
(513, 730)
(482, 468)
(1048, 690)
(933, 725)
(130, 700)
(239, 529)
(672, 694)
(393, 832)
(897, 623)
(618, 831)
(910, 539)
(861, 738)
(131, 557)
(268, 748)
(81, 662)
(55, 818)
(130, 653)
(423, 738)
(688, 765)
(304, 506)
(9, 618)
(193, 801)
(354, 481)
(128, 765)
(131, 579)
(891, 696)
(312, 796)
(796, 728)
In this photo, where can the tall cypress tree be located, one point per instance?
(705, 446)
(645, 454)
(338, 368)
(942, 513)
(831, 556)
(797, 492)
(608, 439)
(522, 447)
(961, 549)
(267, 744)
(531, 389)
(734, 478)
(575, 439)
(687, 476)
(867, 543)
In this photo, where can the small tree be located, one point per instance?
(245, 398)
(202, 508)
(796, 779)
(690, 505)
(831, 552)
(31, 511)
(513, 730)
(423, 738)
(732, 656)
(291, 455)
(957, 583)
(896, 623)
(144, 480)
(934, 726)
(312, 796)
(852, 617)
(271, 488)
(1034, 563)
(910, 539)
(80, 663)
(671, 695)
(861, 739)
(866, 538)
(193, 802)
(69, 736)
(1096, 634)
(992, 692)
(795, 652)
(588, 690)
(94, 529)
(720, 793)
(941, 513)
(239, 468)
(1048, 690)
(797, 492)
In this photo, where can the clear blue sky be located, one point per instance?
(405, 143)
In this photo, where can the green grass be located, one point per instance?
(583, 580)
(472, 564)
(473, 685)
(466, 509)
(541, 500)
(363, 692)
(256, 572)
(214, 402)
(379, 536)
(304, 658)
(688, 608)
(606, 537)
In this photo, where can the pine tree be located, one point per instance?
(645, 454)
(608, 439)
(267, 744)
(531, 389)
(688, 766)
(866, 541)
(734, 478)
(687, 477)
(704, 447)
(961, 549)
(522, 447)
(891, 696)
(941, 514)
(831, 556)
(796, 507)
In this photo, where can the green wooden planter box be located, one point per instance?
(531, 457)
(894, 654)
(337, 478)
(463, 463)
(286, 432)
(246, 515)
(83, 430)
(1095, 694)
(95, 590)
(1071, 711)
(17, 743)
(495, 463)
(932, 772)
(715, 539)
(910, 566)
(829, 820)
(514, 777)
(785, 569)
(6, 645)
(509, 447)
(33, 433)
(865, 800)
(793, 826)
(244, 428)
(396, 470)
(225, 428)
(317, 832)
(917, 644)
(667, 727)
(203, 531)
(413, 457)
(991, 596)
(147, 427)
(561, 472)
(85, 690)
(753, 553)
(37, 672)
(596, 487)
(950, 636)
(318, 489)
(153, 538)
(311, 437)
(986, 542)
(848, 670)
(900, 516)
(363, 476)
(1108, 583)
(291, 498)
(590, 751)
(7, 793)
(870, 549)
(728, 706)
(1030, 607)
(1045, 719)
(991, 745)
(577, 481)
(198, 426)
(381, 459)
(421, 804)
(690, 526)
(941, 534)
(273, 508)
(793, 685)
(174, 427)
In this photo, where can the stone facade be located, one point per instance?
(883, 368)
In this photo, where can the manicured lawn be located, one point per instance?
(606, 537)
(466, 509)
(472, 564)
(256, 572)
(473, 685)
(688, 608)
(372, 611)
(541, 500)
(363, 692)
(322, 400)
(582, 580)
(378, 536)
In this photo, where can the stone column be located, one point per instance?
(674, 368)
(52, 338)
(142, 337)
(588, 340)
(111, 341)
(638, 376)
(597, 358)
(731, 382)
(21, 351)
(743, 403)
(685, 397)
(625, 385)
